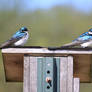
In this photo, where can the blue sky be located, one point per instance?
(82, 5)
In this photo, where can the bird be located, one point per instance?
(18, 39)
(84, 40)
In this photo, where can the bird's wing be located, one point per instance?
(13, 39)
(9, 42)
(79, 41)
(18, 35)
(72, 44)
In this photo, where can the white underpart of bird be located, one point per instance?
(86, 44)
(22, 41)
(79, 43)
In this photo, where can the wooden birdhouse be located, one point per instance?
(46, 69)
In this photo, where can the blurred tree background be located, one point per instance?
(53, 23)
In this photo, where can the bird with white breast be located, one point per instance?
(18, 39)
(84, 40)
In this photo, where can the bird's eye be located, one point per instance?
(24, 29)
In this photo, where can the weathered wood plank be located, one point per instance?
(76, 85)
(45, 50)
(82, 67)
(70, 74)
(26, 85)
(30, 74)
(33, 74)
(13, 66)
(66, 74)
(63, 74)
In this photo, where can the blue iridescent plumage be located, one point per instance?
(84, 38)
(82, 35)
(19, 33)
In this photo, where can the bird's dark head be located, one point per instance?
(23, 29)
(90, 31)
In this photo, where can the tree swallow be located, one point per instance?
(18, 39)
(84, 40)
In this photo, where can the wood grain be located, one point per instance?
(33, 74)
(26, 83)
(66, 74)
(13, 66)
(70, 74)
(30, 74)
(63, 74)
(82, 67)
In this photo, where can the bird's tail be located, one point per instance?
(4, 45)
(8, 43)
(72, 44)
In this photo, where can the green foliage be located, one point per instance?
(53, 27)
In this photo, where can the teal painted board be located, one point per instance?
(48, 74)
(39, 74)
